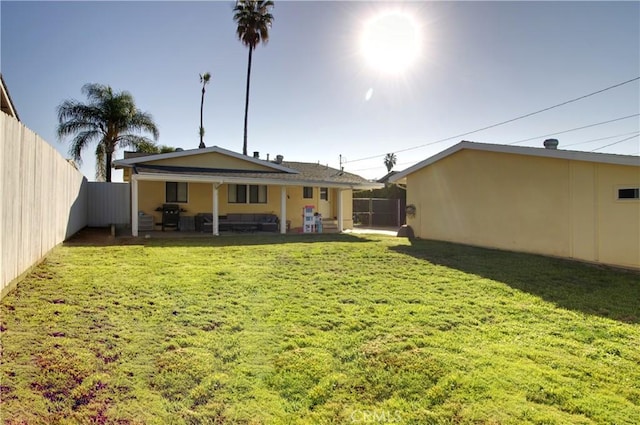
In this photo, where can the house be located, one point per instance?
(6, 105)
(219, 182)
(570, 204)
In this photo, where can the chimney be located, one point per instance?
(279, 159)
(256, 154)
(267, 157)
(551, 144)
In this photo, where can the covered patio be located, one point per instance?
(237, 193)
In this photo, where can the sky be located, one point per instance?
(431, 71)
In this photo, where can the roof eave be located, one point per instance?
(200, 178)
(603, 158)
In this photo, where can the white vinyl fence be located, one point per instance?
(43, 199)
(108, 203)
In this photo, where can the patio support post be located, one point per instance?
(283, 209)
(134, 205)
(214, 226)
(340, 212)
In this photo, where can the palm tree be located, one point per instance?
(150, 147)
(254, 21)
(390, 161)
(109, 118)
(204, 79)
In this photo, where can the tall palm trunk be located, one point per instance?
(246, 103)
(201, 126)
(107, 170)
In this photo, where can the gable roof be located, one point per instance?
(387, 177)
(604, 158)
(285, 173)
(138, 159)
(6, 104)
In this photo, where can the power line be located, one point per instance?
(599, 139)
(573, 129)
(633, 134)
(615, 143)
(505, 122)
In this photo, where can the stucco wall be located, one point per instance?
(523, 203)
(200, 199)
(296, 202)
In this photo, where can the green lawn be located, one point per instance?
(318, 329)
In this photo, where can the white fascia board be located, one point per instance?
(598, 157)
(602, 158)
(130, 162)
(195, 178)
(404, 173)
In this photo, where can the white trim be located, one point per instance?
(619, 187)
(196, 178)
(130, 162)
(134, 206)
(605, 158)
(340, 211)
(215, 224)
(283, 209)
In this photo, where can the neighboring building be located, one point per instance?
(6, 105)
(218, 181)
(570, 204)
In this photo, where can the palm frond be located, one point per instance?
(146, 146)
(106, 117)
(205, 78)
(135, 142)
(143, 122)
(80, 142)
(254, 20)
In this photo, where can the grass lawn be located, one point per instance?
(318, 329)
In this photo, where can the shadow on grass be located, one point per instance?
(102, 237)
(591, 289)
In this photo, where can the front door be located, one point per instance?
(324, 203)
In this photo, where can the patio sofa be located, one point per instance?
(238, 222)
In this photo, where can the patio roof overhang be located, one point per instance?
(273, 179)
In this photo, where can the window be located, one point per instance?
(629, 193)
(176, 192)
(238, 194)
(257, 194)
(307, 192)
(324, 193)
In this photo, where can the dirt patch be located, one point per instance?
(98, 236)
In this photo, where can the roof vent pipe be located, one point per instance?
(279, 159)
(256, 154)
(551, 144)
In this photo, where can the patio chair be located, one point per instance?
(170, 216)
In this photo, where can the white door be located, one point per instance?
(324, 203)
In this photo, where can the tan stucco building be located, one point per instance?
(571, 204)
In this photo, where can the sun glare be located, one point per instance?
(391, 42)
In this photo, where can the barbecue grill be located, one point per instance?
(170, 216)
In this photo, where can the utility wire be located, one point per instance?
(599, 139)
(574, 129)
(614, 143)
(633, 134)
(504, 122)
